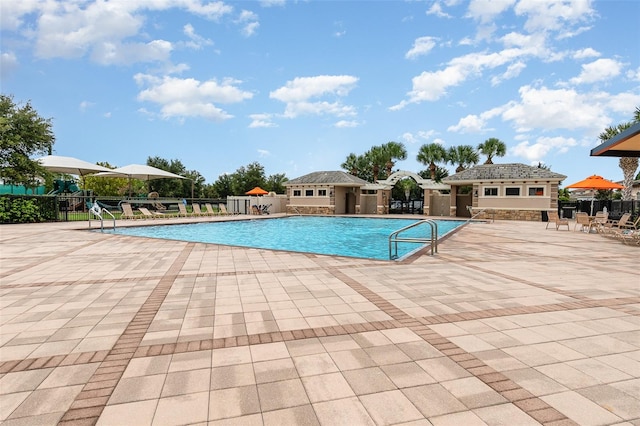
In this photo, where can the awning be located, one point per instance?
(624, 144)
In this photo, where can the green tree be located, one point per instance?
(392, 151)
(169, 187)
(358, 165)
(429, 155)
(222, 187)
(629, 165)
(462, 155)
(275, 183)
(23, 133)
(492, 147)
(441, 173)
(246, 178)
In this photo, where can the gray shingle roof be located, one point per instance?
(329, 178)
(514, 171)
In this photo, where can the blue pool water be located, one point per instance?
(342, 236)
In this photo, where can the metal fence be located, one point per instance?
(72, 207)
(616, 208)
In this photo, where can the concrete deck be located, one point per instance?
(509, 323)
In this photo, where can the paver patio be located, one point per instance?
(508, 324)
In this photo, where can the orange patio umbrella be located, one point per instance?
(595, 182)
(257, 191)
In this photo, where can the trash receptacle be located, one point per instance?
(568, 212)
(545, 216)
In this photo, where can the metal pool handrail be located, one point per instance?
(394, 238)
(98, 212)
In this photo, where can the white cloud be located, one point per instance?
(486, 11)
(599, 70)
(421, 46)
(586, 53)
(197, 41)
(298, 92)
(84, 105)
(8, 63)
(548, 109)
(111, 32)
(346, 124)
(634, 75)
(554, 15)
(535, 152)
(124, 54)
(436, 10)
(261, 120)
(469, 124)
(271, 3)
(189, 97)
(512, 71)
(421, 135)
(262, 153)
(249, 22)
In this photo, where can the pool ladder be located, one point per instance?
(395, 238)
(99, 212)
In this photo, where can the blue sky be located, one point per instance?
(298, 85)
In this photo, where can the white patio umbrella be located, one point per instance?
(70, 165)
(140, 171)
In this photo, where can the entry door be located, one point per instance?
(351, 203)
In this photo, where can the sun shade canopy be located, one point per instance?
(595, 182)
(70, 165)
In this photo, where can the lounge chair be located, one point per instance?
(555, 219)
(630, 236)
(209, 209)
(620, 223)
(127, 211)
(183, 210)
(255, 210)
(151, 215)
(598, 221)
(223, 210)
(196, 210)
(582, 219)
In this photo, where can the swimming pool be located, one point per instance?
(341, 236)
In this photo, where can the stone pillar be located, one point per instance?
(453, 204)
(427, 200)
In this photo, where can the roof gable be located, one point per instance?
(327, 178)
(513, 171)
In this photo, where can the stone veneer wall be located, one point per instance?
(317, 210)
(497, 214)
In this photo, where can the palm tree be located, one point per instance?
(492, 147)
(430, 154)
(393, 151)
(351, 164)
(464, 156)
(377, 159)
(629, 165)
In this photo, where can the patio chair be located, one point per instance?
(555, 219)
(182, 210)
(598, 221)
(255, 210)
(127, 211)
(223, 210)
(612, 226)
(209, 209)
(151, 215)
(196, 210)
(582, 219)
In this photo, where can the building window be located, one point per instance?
(512, 192)
(491, 192)
(322, 192)
(308, 192)
(536, 191)
(296, 192)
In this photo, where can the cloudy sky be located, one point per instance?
(298, 85)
